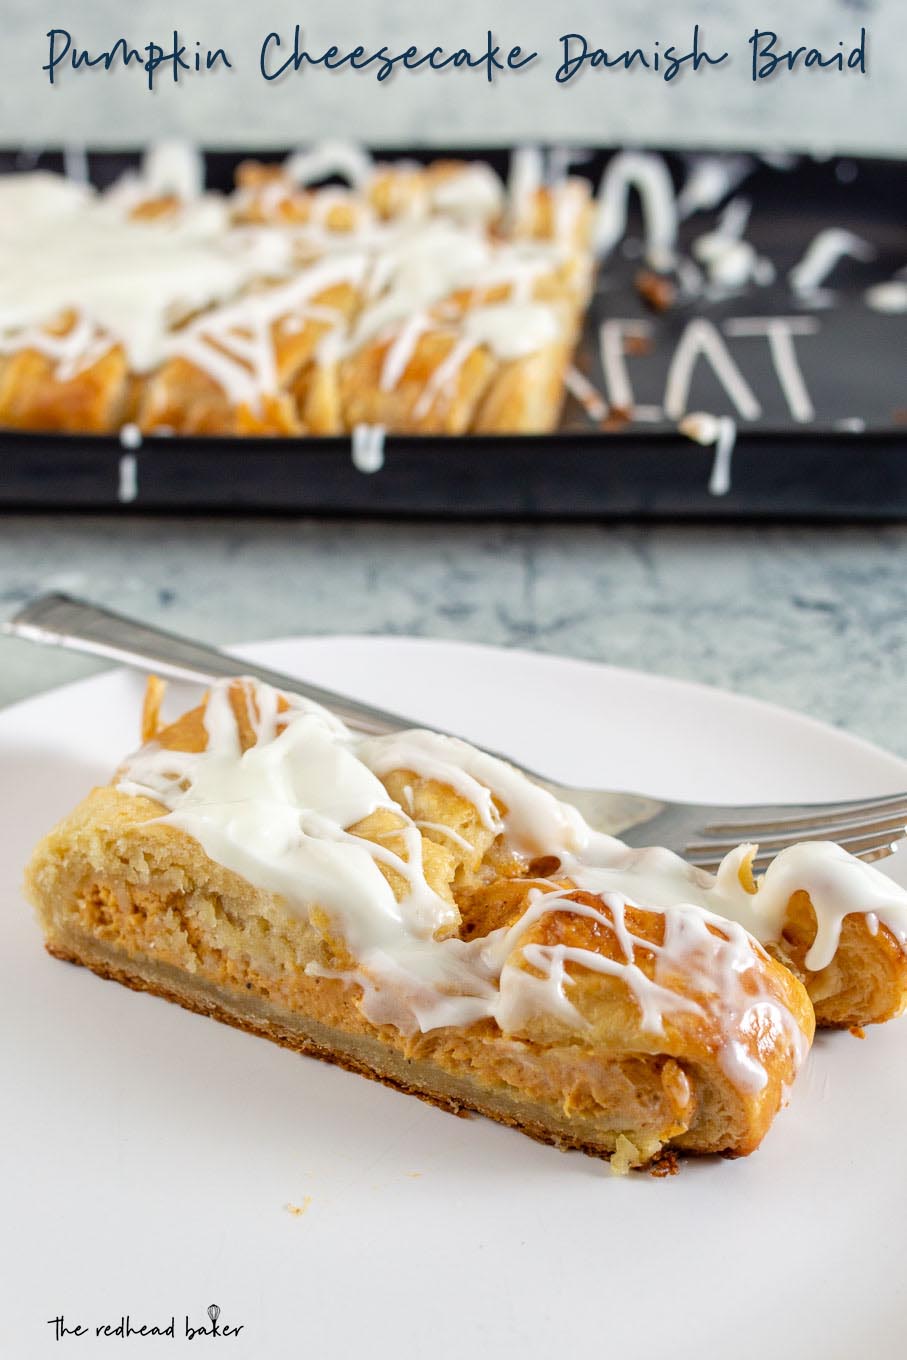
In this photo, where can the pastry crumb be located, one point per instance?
(637, 345)
(624, 1156)
(858, 1031)
(657, 290)
(299, 1209)
(628, 1157)
(616, 419)
(155, 689)
(666, 1163)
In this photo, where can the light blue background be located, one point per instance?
(808, 109)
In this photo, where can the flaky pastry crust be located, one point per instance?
(138, 900)
(311, 372)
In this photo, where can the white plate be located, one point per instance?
(148, 1155)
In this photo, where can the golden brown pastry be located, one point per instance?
(409, 299)
(434, 387)
(67, 378)
(235, 370)
(864, 982)
(419, 912)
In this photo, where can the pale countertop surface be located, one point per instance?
(813, 618)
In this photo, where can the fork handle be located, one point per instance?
(62, 621)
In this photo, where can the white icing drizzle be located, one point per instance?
(720, 431)
(890, 296)
(589, 397)
(709, 182)
(720, 479)
(173, 167)
(702, 338)
(851, 425)
(33, 195)
(367, 447)
(512, 330)
(130, 436)
(649, 175)
(614, 365)
(782, 160)
(78, 348)
(821, 256)
(343, 159)
(571, 197)
(62, 246)
(473, 195)
(689, 277)
(780, 332)
(128, 479)
(418, 266)
(446, 831)
(730, 262)
(444, 377)
(235, 343)
(75, 164)
(560, 161)
(279, 815)
(422, 267)
(526, 177)
(401, 351)
(571, 194)
(734, 218)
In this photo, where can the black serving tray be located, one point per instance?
(848, 461)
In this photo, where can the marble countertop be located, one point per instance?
(813, 618)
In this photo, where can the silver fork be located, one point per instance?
(869, 828)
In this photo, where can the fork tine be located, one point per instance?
(830, 831)
(819, 816)
(711, 866)
(866, 842)
(865, 847)
(882, 852)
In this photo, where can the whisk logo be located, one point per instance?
(214, 1326)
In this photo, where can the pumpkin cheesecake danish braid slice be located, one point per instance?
(404, 907)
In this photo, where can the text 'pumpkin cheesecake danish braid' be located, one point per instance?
(418, 911)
